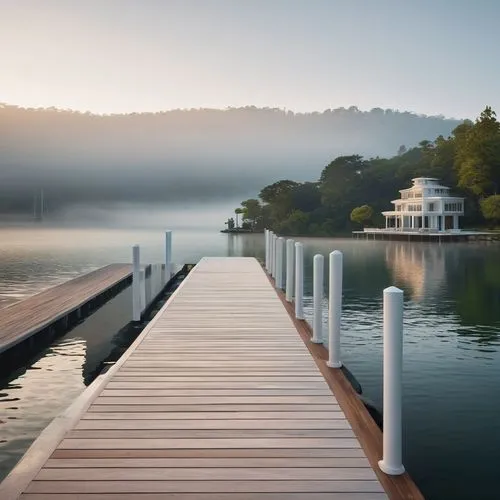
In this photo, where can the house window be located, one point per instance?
(453, 207)
(430, 207)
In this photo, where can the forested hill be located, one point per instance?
(352, 191)
(184, 154)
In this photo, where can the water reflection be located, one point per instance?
(31, 400)
(420, 270)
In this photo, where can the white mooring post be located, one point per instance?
(273, 255)
(392, 460)
(318, 264)
(266, 246)
(142, 274)
(299, 280)
(279, 263)
(268, 255)
(136, 284)
(334, 309)
(168, 255)
(289, 269)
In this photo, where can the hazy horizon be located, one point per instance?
(157, 101)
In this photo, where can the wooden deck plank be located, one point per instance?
(139, 434)
(226, 463)
(136, 487)
(25, 318)
(213, 453)
(219, 396)
(205, 474)
(206, 496)
(133, 424)
(210, 416)
(250, 442)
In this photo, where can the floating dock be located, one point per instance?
(55, 309)
(221, 397)
(438, 237)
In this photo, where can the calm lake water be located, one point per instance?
(451, 346)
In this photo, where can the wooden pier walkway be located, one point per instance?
(22, 320)
(219, 398)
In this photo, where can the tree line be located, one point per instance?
(467, 160)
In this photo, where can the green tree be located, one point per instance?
(478, 155)
(252, 212)
(362, 214)
(295, 224)
(490, 207)
(279, 198)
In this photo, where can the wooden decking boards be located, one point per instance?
(23, 319)
(218, 399)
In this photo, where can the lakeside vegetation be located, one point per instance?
(352, 191)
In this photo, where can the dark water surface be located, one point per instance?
(451, 347)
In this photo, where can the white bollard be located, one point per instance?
(273, 255)
(280, 244)
(289, 269)
(334, 309)
(143, 289)
(136, 284)
(392, 460)
(268, 250)
(152, 284)
(147, 285)
(318, 265)
(168, 255)
(299, 280)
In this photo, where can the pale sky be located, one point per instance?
(110, 56)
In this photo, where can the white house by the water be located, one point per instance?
(427, 206)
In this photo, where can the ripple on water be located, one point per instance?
(41, 393)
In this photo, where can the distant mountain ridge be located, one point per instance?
(179, 154)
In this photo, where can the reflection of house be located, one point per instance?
(420, 270)
(426, 206)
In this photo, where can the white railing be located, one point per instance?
(391, 462)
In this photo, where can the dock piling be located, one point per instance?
(334, 309)
(289, 269)
(142, 281)
(279, 263)
(273, 255)
(391, 462)
(136, 284)
(266, 243)
(168, 255)
(299, 280)
(318, 265)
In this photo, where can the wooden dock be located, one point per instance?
(219, 398)
(56, 306)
